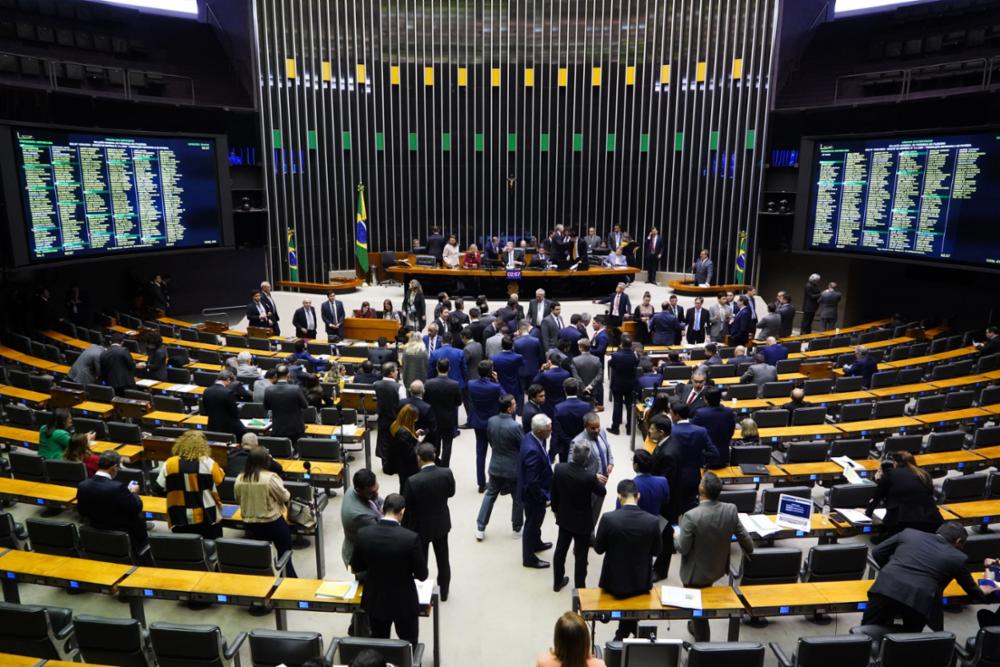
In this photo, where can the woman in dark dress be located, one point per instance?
(156, 363)
(907, 492)
(641, 316)
(404, 438)
(415, 307)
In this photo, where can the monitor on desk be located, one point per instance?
(651, 653)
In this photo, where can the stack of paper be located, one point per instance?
(183, 388)
(758, 524)
(425, 589)
(146, 382)
(341, 590)
(851, 468)
(685, 598)
(854, 516)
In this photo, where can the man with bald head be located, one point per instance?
(304, 320)
(270, 306)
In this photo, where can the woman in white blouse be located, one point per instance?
(450, 253)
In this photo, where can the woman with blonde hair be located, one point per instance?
(263, 500)
(473, 258)
(414, 360)
(415, 307)
(404, 438)
(190, 478)
(571, 645)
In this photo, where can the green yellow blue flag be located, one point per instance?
(361, 231)
(741, 256)
(293, 256)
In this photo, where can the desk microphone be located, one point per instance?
(307, 466)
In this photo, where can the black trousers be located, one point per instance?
(441, 558)
(621, 400)
(278, 533)
(444, 450)
(407, 626)
(531, 537)
(581, 547)
(884, 611)
(662, 563)
(807, 322)
(210, 531)
(696, 337)
(651, 264)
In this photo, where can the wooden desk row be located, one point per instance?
(141, 583)
(37, 363)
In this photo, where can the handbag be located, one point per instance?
(302, 515)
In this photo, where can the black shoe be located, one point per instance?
(558, 586)
(465, 425)
(444, 595)
(482, 489)
(614, 431)
(543, 546)
(539, 564)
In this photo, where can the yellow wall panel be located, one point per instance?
(495, 77)
(290, 68)
(361, 74)
(428, 76)
(563, 77)
(463, 76)
(737, 68)
(595, 76)
(394, 75)
(630, 76)
(700, 71)
(529, 77)
(664, 74)
(326, 71)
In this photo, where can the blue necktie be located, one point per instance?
(603, 454)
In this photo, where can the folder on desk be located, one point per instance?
(342, 590)
(684, 598)
(854, 517)
(229, 511)
(753, 469)
(147, 382)
(758, 524)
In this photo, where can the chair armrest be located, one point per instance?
(321, 500)
(65, 632)
(873, 567)
(960, 650)
(233, 648)
(779, 653)
(418, 655)
(282, 562)
(332, 650)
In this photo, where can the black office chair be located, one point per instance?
(850, 496)
(741, 391)
(86, 425)
(65, 473)
(771, 418)
(310, 415)
(208, 356)
(270, 648)
(725, 654)
(20, 416)
(395, 651)
(959, 400)
(176, 645)
(928, 404)
(912, 375)
(338, 416)
(773, 565)
(988, 363)
(912, 649)
(227, 491)
(806, 452)
(177, 376)
(983, 650)
(769, 497)
(854, 448)
(745, 499)
(855, 412)
(50, 536)
(891, 408)
(788, 366)
(113, 641)
(849, 383)
(280, 448)
(978, 547)
(885, 379)
(99, 393)
(750, 454)
(832, 651)
(125, 432)
(113, 546)
(835, 562)
(38, 631)
(235, 341)
(810, 416)
(181, 551)
(241, 556)
(963, 488)
(903, 443)
(13, 535)
(945, 441)
(27, 466)
(205, 378)
(985, 436)
(40, 383)
(777, 389)
(818, 387)
(252, 411)
(168, 404)
(319, 449)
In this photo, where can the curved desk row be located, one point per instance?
(594, 281)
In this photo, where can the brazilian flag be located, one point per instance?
(361, 231)
(741, 256)
(293, 256)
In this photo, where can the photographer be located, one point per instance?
(908, 495)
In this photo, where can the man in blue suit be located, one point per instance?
(649, 377)
(534, 479)
(507, 365)
(774, 351)
(690, 449)
(332, 313)
(568, 420)
(456, 360)
(664, 326)
(551, 377)
(622, 366)
(530, 349)
(865, 366)
(571, 334)
(742, 325)
(432, 341)
(720, 422)
(484, 398)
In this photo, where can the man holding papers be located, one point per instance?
(703, 543)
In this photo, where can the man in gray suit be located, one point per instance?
(504, 435)
(703, 543)
(704, 269)
(602, 459)
(829, 299)
(759, 373)
(87, 367)
(770, 324)
(360, 507)
(538, 309)
(589, 370)
(551, 325)
(719, 314)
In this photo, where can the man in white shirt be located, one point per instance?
(304, 320)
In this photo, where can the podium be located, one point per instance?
(369, 329)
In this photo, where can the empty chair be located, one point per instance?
(168, 404)
(959, 400)
(241, 556)
(725, 654)
(258, 343)
(899, 353)
(12, 534)
(854, 448)
(990, 395)
(176, 645)
(113, 546)
(338, 416)
(208, 356)
(40, 383)
(983, 650)
(310, 415)
(51, 536)
(28, 466)
(138, 395)
(99, 393)
(65, 473)
(771, 565)
(979, 546)
(855, 412)
(943, 372)
(113, 641)
(911, 649)
(181, 551)
(777, 389)
(746, 391)
(20, 415)
(810, 416)
(928, 404)
(852, 383)
(41, 632)
(319, 449)
(911, 375)
(832, 651)
(835, 562)
(235, 341)
(124, 432)
(178, 376)
(750, 454)
(903, 443)
(807, 452)
(219, 436)
(395, 651)
(745, 500)
(270, 648)
(716, 371)
(189, 335)
(850, 496)
(988, 363)
(169, 431)
(888, 409)
(945, 441)
(771, 418)
(769, 497)
(19, 379)
(86, 425)
(884, 379)
(819, 344)
(963, 488)
(986, 436)
(788, 366)
(253, 411)
(818, 387)
(205, 378)
(280, 448)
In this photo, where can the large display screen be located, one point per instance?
(924, 197)
(88, 194)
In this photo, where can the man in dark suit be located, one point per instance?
(915, 568)
(332, 313)
(619, 306)
(615, 238)
(704, 269)
(551, 378)
(272, 307)
(530, 349)
(688, 450)
(511, 257)
(675, 308)
(786, 313)
(156, 298)
(864, 366)
(390, 558)
(107, 504)
(567, 420)
(697, 320)
(571, 334)
(388, 393)
(693, 393)
(435, 243)
(285, 401)
(720, 423)
(533, 406)
(664, 326)
(576, 250)
(992, 343)
(427, 493)
(629, 538)
(454, 356)
(773, 351)
(508, 365)
(257, 313)
(505, 436)
(741, 327)
(220, 406)
(476, 325)
(653, 249)
(534, 480)
(484, 398)
(538, 309)
(829, 300)
(810, 303)
(551, 326)
(573, 489)
(426, 421)
(118, 367)
(444, 396)
(304, 320)
(623, 367)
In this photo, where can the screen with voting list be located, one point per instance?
(89, 194)
(933, 197)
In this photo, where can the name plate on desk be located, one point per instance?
(513, 274)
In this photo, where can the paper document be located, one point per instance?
(342, 590)
(185, 388)
(685, 598)
(848, 462)
(256, 423)
(854, 516)
(758, 524)
(147, 382)
(425, 589)
(879, 514)
(851, 468)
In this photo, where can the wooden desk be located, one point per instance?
(163, 418)
(37, 493)
(951, 417)
(823, 470)
(902, 390)
(863, 428)
(94, 409)
(717, 602)
(826, 334)
(783, 599)
(958, 460)
(242, 589)
(11, 660)
(733, 475)
(840, 397)
(849, 349)
(319, 470)
(813, 432)
(975, 512)
(342, 432)
(691, 288)
(62, 571)
(962, 381)
(168, 388)
(26, 396)
(22, 437)
(781, 378)
(69, 341)
(931, 358)
(595, 281)
(370, 329)
(34, 362)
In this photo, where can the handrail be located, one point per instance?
(983, 65)
(222, 310)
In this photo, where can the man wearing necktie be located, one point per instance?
(551, 326)
(620, 306)
(257, 314)
(697, 321)
(332, 313)
(272, 308)
(654, 249)
(304, 320)
(602, 459)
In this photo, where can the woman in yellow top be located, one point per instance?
(190, 478)
(263, 499)
(570, 645)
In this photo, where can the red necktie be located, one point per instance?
(692, 396)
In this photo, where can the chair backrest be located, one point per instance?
(182, 645)
(40, 383)
(20, 415)
(979, 546)
(903, 443)
(744, 499)
(310, 415)
(9, 533)
(168, 404)
(773, 565)
(834, 651)
(963, 488)
(28, 466)
(208, 356)
(911, 375)
(810, 416)
(179, 550)
(899, 352)
(917, 649)
(835, 562)
(124, 432)
(986, 436)
(235, 341)
(854, 448)
(943, 372)
(716, 371)
(86, 425)
(51, 536)
(818, 387)
(928, 404)
(100, 393)
(113, 546)
(270, 648)
(27, 629)
(750, 454)
(854, 412)
(253, 411)
(258, 344)
(227, 490)
(205, 378)
(945, 441)
(959, 400)
(819, 344)
(18, 378)
(676, 373)
(319, 449)
(741, 391)
(807, 452)
(65, 473)
(990, 395)
(650, 653)
(240, 556)
(988, 363)
(112, 641)
(280, 448)
(178, 376)
(885, 379)
(851, 496)
(395, 651)
(851, 383)
(771, 418)
(777, 389)
(986, 648)
(188, 334)
(769, 497)
(788, 366)
(725, 654)
(891, 408)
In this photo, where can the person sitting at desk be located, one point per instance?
(304, 320)
(571, 646)
(992, 343)
(759, 373)
(365, 311)
(107, 504)
(263, 500)
(542, 257)
(865, 366)
(238, 454)
(473, 258)
(53, 437)
(366, 374)
(773, 351)
(79, 450)
(390, 313)
(301, 355)
(616, 260)
(511, 257)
